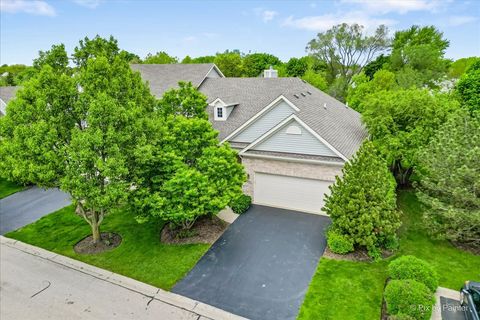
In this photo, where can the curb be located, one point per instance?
(200, 308)
(442, 292)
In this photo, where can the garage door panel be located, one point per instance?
(290, 192)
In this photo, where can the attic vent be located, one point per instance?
(296, 96)
(309, 92)
(303, 94)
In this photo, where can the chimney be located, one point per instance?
(270, 73)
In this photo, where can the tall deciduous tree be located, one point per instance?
(400, 122)
(255, 63)
(362, 203)
(186, 101)
(468, 88)
(78, 132)
(230, 63)
(417, 56)
(160, 58)
(449, 180)
(347, 49)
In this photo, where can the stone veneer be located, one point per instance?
(286, 168)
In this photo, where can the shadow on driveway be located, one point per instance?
(260, 268)
(24, 207)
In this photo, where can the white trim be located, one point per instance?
(206, 76)
(303, 124)
(215, 113)
(287, 159)
(3, 107)
(261, 112)
(217, 100)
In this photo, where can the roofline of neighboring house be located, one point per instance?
(214, 66)
(287, 159)
(304, 125)
(258, 114)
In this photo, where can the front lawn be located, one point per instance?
(7, 188)
(140, 255)
(353, 290)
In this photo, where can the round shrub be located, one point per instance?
(338, 242)
(241, 204)
(410, 267)
(409, 298)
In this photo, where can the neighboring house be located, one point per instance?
(6, 94)
(292, 138)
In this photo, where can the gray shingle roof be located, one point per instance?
(162, 77)
(7, 93)
(336, 123)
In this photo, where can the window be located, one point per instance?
(219, 112)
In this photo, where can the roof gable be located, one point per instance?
(162, 77)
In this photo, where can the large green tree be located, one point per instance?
(255, 63)
(418, 56)
(468, 88)
(449, 180)
(78, 131)
(160, 58)
(230, 63)
(400, 122)
(362, 202)
(346, 49)
(183, 173)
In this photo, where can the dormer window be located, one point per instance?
(220, 112)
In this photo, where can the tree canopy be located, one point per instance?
(468, 88)
(159, 58)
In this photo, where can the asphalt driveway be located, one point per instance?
(260, 268)
(24, 207)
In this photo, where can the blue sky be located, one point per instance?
(282, 28)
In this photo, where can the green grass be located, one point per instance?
(345, 290)
(353, 290)
(140, 255)
(454, 266)
(7, 188)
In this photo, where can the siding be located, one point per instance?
(304, 143)
(266, 122)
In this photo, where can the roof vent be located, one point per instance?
(303, 94)
(296, 96)
(270, 73)
(309, 92)
(325, 106)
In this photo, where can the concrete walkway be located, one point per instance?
(27, 206)
(447, 305)
(38, 284)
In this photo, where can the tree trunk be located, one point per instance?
(95, 232)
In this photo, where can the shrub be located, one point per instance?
(362, 203)
(409, 298)
(410, 267)
(241, 204)
(338, 242)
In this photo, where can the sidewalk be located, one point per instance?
(39, 284)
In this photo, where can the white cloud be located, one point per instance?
(398, 6)
(326, 21)
(266, 15)
(35, 7)
(92, 4)
(456, 21)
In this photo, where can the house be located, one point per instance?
(292, 138)
(6, 94)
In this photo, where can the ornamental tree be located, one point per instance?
(400, 122)
(449, 180)
(77, 129)
(362, 203)
(183, 173)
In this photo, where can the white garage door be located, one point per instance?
(290, 192)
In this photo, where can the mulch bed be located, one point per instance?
(357, 255)
(108, 241)
(205, 230)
